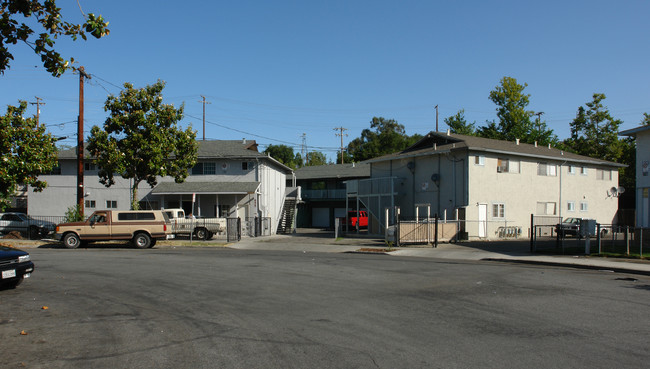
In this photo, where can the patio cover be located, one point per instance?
(206, 188)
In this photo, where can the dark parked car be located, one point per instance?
(569, 227)
(26, 225)
(15, 265)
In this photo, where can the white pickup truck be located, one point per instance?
(201, 228)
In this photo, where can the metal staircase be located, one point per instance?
(286, 224)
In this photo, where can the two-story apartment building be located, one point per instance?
(323, 192)
(487, 184)
(231, 179)
(642, 136)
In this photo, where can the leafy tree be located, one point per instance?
(74, 214)
(514, 120)
(16, 26)
(594, 132)
(385, 136)
(141, 139)
(27, 152)
(458, 124)
(284, 154)
(315, 158)
(645, 121)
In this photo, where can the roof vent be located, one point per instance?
(243, 141)
(517, 140)
(435, 146)
(549, 146)
(448, 132)
(535, 143)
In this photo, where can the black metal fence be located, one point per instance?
(605, 239)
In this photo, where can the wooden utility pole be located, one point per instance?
(38, 104)
(204, 102)
(341, 134)
(80, 142)
(436, 118)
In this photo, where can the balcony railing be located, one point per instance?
(323, 194)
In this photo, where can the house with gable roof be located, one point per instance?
(231, 179)
(486, 184)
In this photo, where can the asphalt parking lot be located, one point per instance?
(206, 307)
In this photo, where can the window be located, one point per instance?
(572, 169)
(498, 210)
(90, 203)
(244, 165)
(197, 169)
(209, 168)
(136, 216)
(479, 160)
(603, 175)
(583, 171)
(111, 204)
(503, 165)
(545, 169)
(546, 208)
(90, 166)
(583, 206)
(571, 206)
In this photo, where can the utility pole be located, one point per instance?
(341, 134)
(204, 102)
(436, 118)
(38, 104)
(80, 142)
(539, 124)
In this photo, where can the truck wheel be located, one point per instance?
(201, 234)
(71, 241)
(141, 240)
(210, 235)
(153, 243)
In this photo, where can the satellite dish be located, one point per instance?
(621, 189)
(613, 191)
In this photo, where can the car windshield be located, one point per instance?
(572, 220)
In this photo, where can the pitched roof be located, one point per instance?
(210, 149)
(345, 171)
(167, 188)
(634, 131)
(436, 143)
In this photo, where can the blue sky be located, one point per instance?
(273, 70)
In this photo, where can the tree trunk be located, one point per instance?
(135, 204)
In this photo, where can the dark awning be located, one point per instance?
(205, 188)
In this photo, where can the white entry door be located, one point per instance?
(482, 220)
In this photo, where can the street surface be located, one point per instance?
(223, 308)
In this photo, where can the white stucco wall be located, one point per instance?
(520, 193)
(643, 178)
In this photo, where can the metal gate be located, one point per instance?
(234, 229)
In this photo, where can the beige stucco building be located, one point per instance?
(642, 135)
(489, 185)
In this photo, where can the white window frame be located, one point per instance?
(584, 171)
(571, 206)
(479, 160)
(503, 165)
(111, 204)
(90, 204)
(584, 206)
(571, 170)
(500, 209)
(546, 169)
